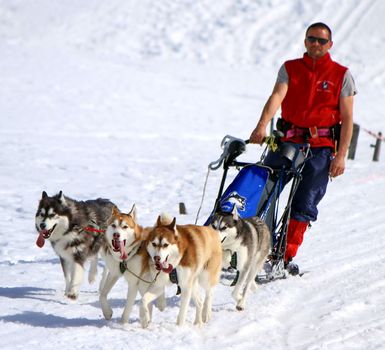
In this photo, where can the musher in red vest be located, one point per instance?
(316, 96)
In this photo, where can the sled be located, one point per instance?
(256, 190)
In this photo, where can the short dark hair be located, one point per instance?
(322, 26)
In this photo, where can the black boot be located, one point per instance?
(292, 268)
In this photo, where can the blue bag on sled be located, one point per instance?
(252, 192)
(245, 191)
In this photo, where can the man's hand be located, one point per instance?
(258, 135)
(337, 166)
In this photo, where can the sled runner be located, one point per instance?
(256, 190)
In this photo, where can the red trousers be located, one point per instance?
(294, 237)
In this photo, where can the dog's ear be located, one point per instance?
(173, 223)
(172, 226)
(115, 212)
(61, 198)
(44, 195)
(158, 221)
(164, 220)
(132, 212)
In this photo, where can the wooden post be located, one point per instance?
(182, 208)
(353, 142)
(377, 148)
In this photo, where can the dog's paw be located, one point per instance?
(206, 316)
(241, 305)
(72, 296)
(124, 320)
(107, 313)
(144, 317)
(72, 293)
(106, 308)
(180, 321)
(145, 322)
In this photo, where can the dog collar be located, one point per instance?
(92, 231)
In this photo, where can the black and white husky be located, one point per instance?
(74, 229)
(251, 241)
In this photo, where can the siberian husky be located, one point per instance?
(124, 254)
(250, 239)
(69, 225)
(196, 254)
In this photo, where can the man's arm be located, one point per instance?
(268, 112)
(337, 166)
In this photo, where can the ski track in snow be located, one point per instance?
(129, 101)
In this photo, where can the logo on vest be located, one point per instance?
(325, 85)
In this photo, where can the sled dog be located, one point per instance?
(250, 239)
(74, 231)
(196, 254)
(124, 253)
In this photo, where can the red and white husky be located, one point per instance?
(196, 254)
(125, 256)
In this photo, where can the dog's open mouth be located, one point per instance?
(43, 235)
(47, 233)
(163, 266)
(119, 246)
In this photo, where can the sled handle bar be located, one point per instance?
(233, 147)
(275, 135)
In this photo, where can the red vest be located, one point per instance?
(312, 99)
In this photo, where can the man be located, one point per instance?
(316, 97)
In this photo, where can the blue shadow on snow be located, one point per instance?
(39, 319)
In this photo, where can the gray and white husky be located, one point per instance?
(250, 239)
(74, 229)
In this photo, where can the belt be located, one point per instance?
(312, 132)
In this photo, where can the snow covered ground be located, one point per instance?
(129, 100)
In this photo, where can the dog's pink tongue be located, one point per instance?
(40, 240)
(123, 254)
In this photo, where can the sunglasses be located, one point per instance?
(313, 39)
